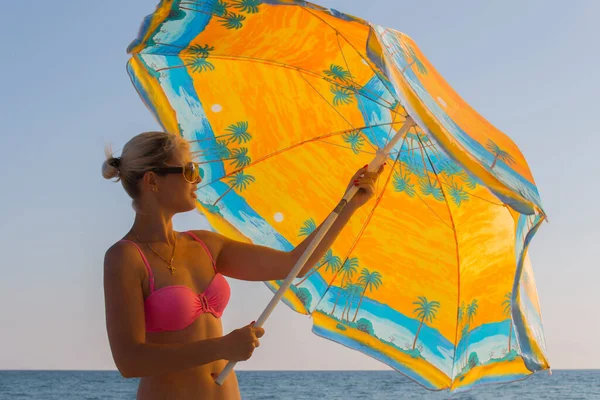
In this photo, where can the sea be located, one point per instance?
(300, 385)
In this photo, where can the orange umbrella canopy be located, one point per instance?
(282, 101)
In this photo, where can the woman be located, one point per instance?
(165, 291)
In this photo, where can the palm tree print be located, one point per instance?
(239, 181)
(450, 169)
(461, 312)
(431, 188)
(338, 73)
(176, 14)
(219, 7)
(401, 183)
(240, 157)
(198, 63)
(247, 6)
(214, 7)
(352, 289)
(468, 180)
(221, 150)
(416, 137)
(195, 59)
(414, 141)
(341, 95)
(308, 227)
(348, 269)
(232, 21)
(355, 140)
(330, 261)
(367, 280)
(507, 311)
(457, 194)
(471, 311)
(499, 154)
(238, 133)
(416, 168)
(426, 311)
(212, 209)
(463, 335)
(201, 51)
(415, 61)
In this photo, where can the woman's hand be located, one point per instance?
(366, 182)
(240, 343)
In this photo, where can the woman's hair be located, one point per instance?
(142, 153)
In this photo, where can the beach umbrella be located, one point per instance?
(282, 101)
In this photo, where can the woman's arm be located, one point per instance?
(124, 301)
(252, 262)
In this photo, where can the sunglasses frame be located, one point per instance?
(179, 170)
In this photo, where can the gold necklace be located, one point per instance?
(169, 263)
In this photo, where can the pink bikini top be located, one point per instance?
(175, 307)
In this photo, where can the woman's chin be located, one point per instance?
(193, 203)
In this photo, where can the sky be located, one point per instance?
(529, 67)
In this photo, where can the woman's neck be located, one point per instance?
(153, 228)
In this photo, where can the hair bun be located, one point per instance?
(110, 168)
(115, 162)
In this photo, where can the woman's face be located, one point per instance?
(175, 193)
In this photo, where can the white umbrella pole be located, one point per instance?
(374, 165)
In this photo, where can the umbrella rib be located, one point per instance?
(376, 98)
(348, 148)
(431, 209)
(457, 256)
(280, 151)
(362, 230)
(386, 104)
(447, 184)
(362, 108)
(435, 117)
(368, 152)
(410, 149)
(399, 153)
(338, 35)
(389, 137)
(355, 49)
(416, 192)
(334, 109)
(433, 148)
(349, 43)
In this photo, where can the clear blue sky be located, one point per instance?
(530, 67)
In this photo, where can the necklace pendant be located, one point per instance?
(172, 269)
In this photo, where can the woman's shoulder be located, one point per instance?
(120, 249)
(213, 240)
(205, 234)
(123, 257)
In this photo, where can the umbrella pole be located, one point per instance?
(374, 165)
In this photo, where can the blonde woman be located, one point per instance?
(165, 291)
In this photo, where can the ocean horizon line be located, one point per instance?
(265, 370)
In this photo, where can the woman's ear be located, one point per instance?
(149, 180)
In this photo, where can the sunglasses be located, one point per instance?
(191, 172)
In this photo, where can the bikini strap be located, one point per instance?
(197, 239)
(151, 277)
